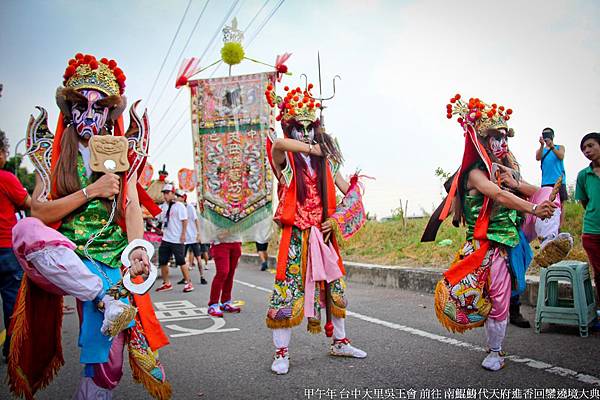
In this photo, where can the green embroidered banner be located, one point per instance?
(230, 122)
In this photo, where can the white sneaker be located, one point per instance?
(343, 348)
(281, 362)
(493, 361)
(117, 316)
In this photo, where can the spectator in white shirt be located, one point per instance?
(175, 220)
(192, 237)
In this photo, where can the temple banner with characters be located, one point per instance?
(230, 121)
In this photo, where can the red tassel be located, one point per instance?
(182, 81)
(329, 329)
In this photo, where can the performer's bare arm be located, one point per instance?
(479, 181)
(521, 186)
(341, 183)
(55, 210)
(133, 213)
(281, 145)
(135, 229)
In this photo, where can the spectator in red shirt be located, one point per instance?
(13, 197)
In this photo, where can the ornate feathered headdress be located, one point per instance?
(298, 104)
(479, 115)
(86, 72)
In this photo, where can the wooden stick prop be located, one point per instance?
(555, 189)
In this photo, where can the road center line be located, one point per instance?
(539, 365)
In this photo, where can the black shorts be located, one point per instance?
(194, 247)
(262, 246)
(204, 247)
(562, 192)
(168, 249)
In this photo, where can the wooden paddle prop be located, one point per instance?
(108, 154)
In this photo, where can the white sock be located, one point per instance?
(495, 331)
(339, 327)
(282, 337)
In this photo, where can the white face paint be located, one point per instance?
(305, 135)
(498, 145)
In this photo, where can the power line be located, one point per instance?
(168, 109)
(181, 54)
(179, 130)
(255, 35)
(219, 28)
(265, 22)
(223, 22)
(168, 52)
(177, 121)
(256, 15)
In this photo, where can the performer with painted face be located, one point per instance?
(309, 267)
(86, 229)
(502, 214)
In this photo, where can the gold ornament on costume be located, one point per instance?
(480, 115)
(85, 72)
(297, 104)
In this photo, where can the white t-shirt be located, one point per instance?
(191, 232)
(178, 213)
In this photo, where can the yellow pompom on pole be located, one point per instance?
(232, 53)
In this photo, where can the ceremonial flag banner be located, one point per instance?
(187, 179)
(145, 178)
(230, 121)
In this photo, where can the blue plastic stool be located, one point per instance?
(578, 311)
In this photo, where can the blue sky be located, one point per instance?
(400, 62)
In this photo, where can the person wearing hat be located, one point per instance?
(175, 220)
(551, 157)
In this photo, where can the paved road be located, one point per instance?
(410, 354)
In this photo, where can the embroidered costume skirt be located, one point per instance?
(286, 306)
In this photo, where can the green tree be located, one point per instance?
(443, 175)
(27, 178)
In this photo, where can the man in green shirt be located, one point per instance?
(588, 193)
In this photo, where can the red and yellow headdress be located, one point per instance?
(479, 115)
(85, 72)
(298, 104)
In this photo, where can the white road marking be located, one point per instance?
(183, 310)
(539, 365)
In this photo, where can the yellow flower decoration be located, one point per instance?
(232, 53)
